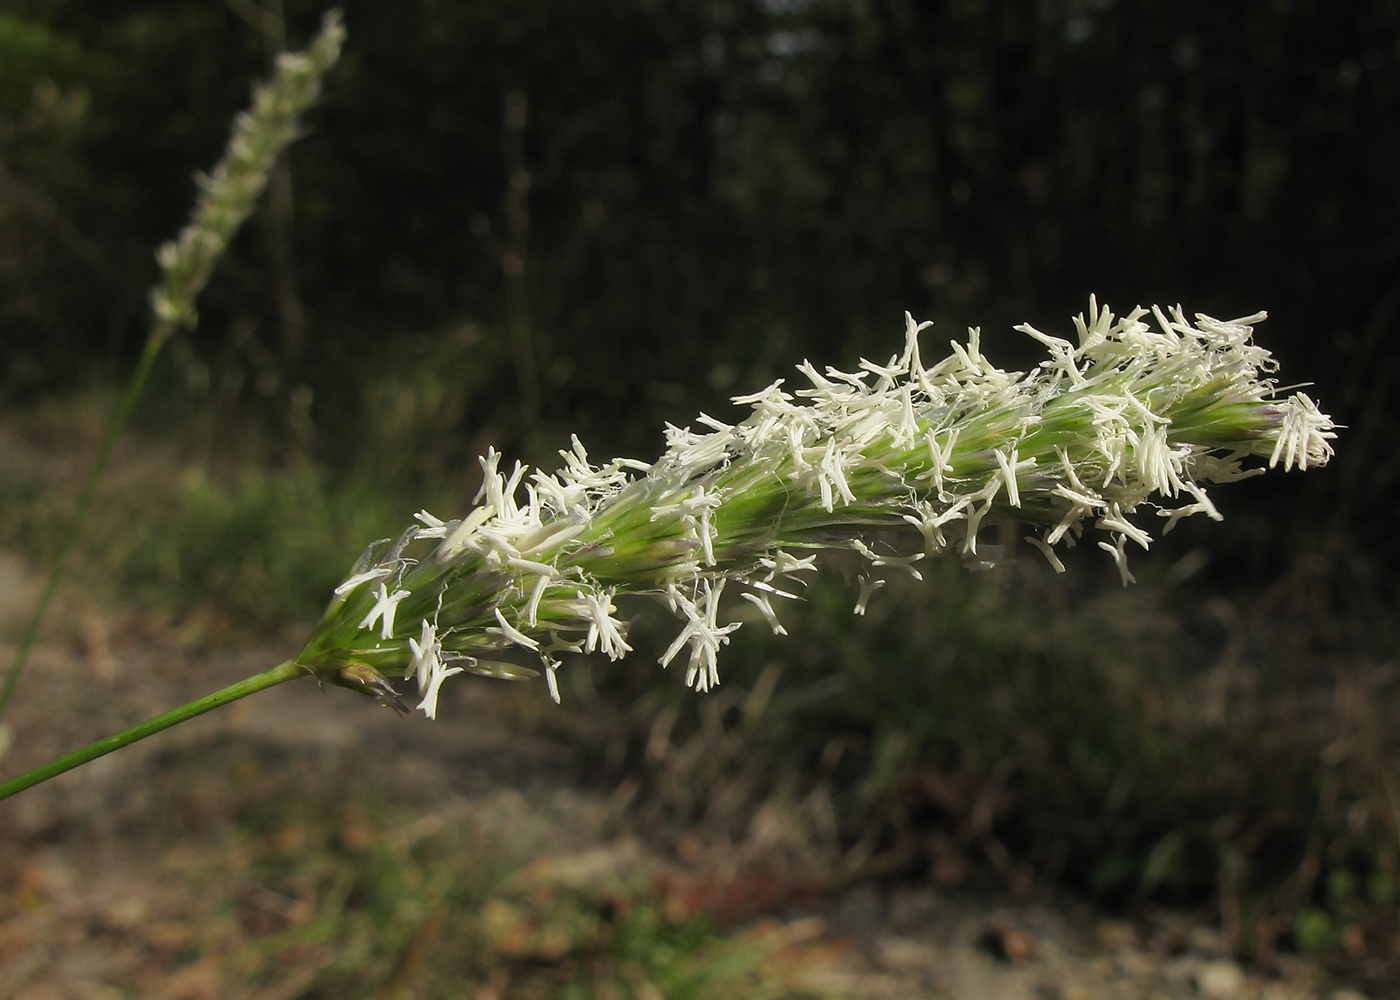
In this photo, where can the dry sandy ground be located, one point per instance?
(99, 900)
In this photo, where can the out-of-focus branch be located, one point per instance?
(514, 257)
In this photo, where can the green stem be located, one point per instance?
(159, 334)
(227, 196)
(279, 674)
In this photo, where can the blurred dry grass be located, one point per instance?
(312, 845)
(1175, 743)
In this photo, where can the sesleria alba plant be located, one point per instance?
(900, 462)
(1117, 432)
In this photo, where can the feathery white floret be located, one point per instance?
(1147, 407)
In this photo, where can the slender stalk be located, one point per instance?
(279, 674)
(75, 524)
(227, 197)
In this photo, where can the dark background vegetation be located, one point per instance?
(512, 221)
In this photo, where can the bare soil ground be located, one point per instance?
(228, 857)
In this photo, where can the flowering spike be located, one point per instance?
(228, 195)
(1132, 414)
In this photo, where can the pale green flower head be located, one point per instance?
(228, 195)
(1133, 417)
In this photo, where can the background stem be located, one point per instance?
(160, 332)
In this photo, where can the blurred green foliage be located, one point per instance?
(691, 196)
(711, 191)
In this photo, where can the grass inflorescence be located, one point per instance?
(1134, 413)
